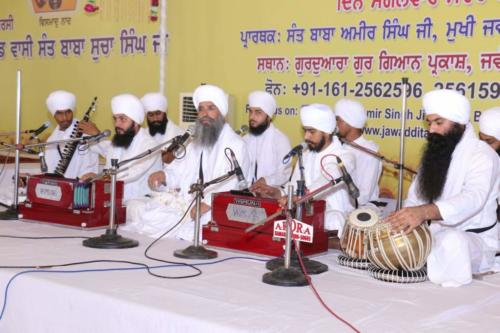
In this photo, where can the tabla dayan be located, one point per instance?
(398, 257)
(353, 237)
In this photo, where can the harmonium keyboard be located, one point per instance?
(232, 214)
(70, 202)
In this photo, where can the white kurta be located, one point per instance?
(155, 216)
(171, 131)
(82, 162)
(367, 174)
(134, 174)
(468, 201)
(338, 202)
(266, 152)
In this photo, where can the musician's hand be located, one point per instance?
(87, 176)
(23, 176)
(406, 219)
(283, 201)
(167, 157)
(203, 209)
(156, 179)
(88, 127)
(260, 181)
(261, 189)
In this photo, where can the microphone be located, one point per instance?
(180, 139)
(242, 182)
(243, 130)
(351, 187)
(35, 133)
(97, 137)
(43, 163)
(294, 151)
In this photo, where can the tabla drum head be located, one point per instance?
(364, 217)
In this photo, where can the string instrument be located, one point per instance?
(70, 147)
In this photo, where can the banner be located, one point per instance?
(300, 51)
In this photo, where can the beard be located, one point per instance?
(435, 162)
(158, 126)
(125, 139)
(259, 129)
(316, 147)
(206, 135)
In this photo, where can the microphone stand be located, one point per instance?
(399, 202)
(312, 266)
(197, 251)
(307, 197)
(111, 239)
(287, 275)
(378, 155)
(12, 213)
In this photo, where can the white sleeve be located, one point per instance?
(481, 175)
(136, 169)
(369, 181)
(283, 172)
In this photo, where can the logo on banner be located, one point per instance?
(53, 6)
(302, 232)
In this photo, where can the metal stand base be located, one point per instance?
(9, 214)
(312, 266)
(110, 240)
(195, 252)
(285, 277)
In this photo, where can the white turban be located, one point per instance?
(318, 116)
(449, 104)
(263, 100)
(352, 112)
(214, 94)
(128, 105)
(154, 102)
(489, 122)
(60, 100)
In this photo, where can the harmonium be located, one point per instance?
(71, 202)
(233, 213)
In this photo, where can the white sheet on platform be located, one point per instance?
(228, 297)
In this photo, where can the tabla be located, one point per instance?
(406, 252)
(352, 241)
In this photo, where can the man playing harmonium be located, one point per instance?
(318, 123)
(456, 190)
(129, 141)
(61, 105)
(205, 158)
(266, 144)
(351, 119)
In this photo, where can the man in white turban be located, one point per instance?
(489, 132)
(130, 140)
(205, 159)
(351, 119)
(456, 190)
(61, 105)
(160, 127)
(318, 123)
(489, 128)
(266, 144)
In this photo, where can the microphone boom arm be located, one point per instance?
(307, 197)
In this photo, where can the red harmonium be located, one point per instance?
(232, 214)
(70, 202)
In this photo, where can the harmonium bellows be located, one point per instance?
(70, 202)
(233, 213)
